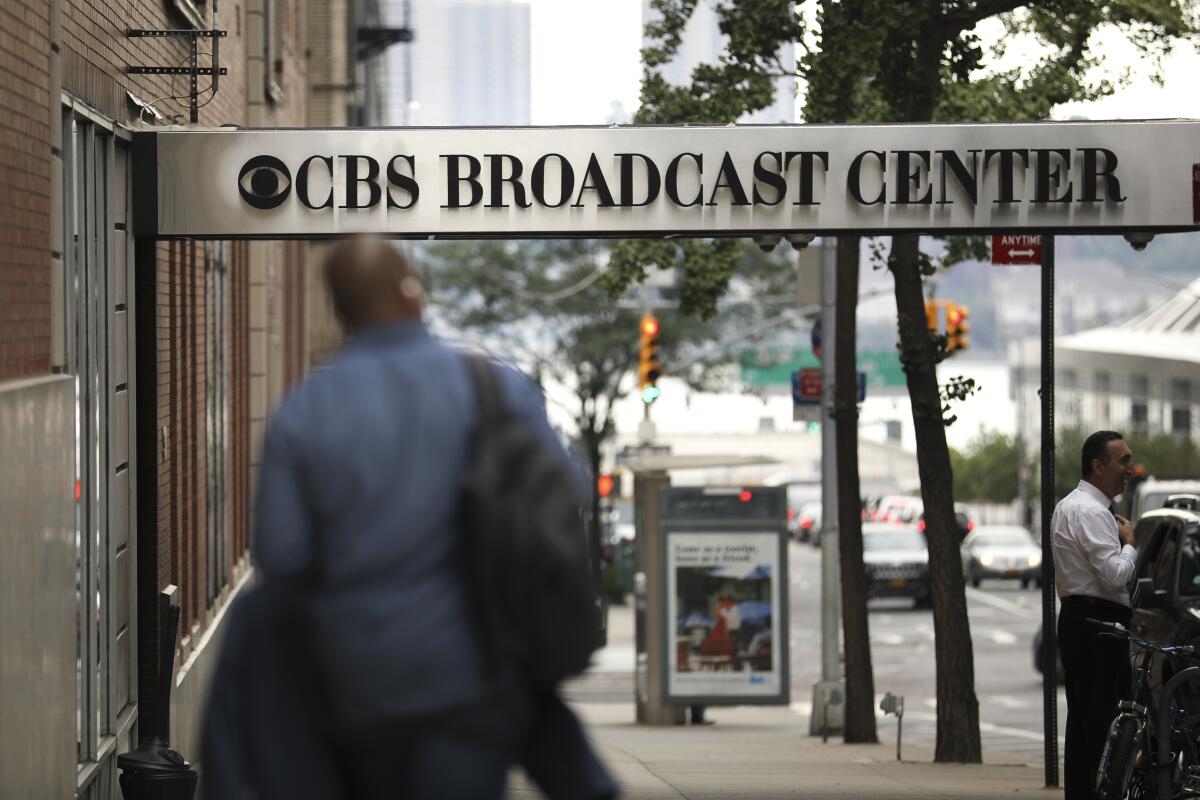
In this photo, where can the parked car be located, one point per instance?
(808, 524)
(896, 562)
(1001, 551)
(1152, 493)
(800, 494)
(961, 518)
(1167, 603)
(900, 508)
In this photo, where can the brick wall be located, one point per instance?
(25, 172)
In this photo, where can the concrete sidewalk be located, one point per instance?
(765, 752)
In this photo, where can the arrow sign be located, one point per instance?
(807, 390)
(1016, 248)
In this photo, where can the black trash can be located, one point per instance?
(154, 771)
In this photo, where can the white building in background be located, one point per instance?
(703, 43)
(1141, 375)
(469, 64)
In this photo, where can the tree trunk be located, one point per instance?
(859, 723)
(957, 705)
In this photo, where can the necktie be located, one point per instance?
(1131, 584)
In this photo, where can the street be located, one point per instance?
(1003, 619)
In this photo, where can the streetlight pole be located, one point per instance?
(828, 706)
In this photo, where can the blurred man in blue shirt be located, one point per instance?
(356, 520)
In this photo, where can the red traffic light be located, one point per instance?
(953, 316)
(650, 327)
(604, 485)
(745, 495)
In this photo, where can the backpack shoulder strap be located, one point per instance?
(487, 388)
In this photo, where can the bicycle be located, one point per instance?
(1134, 749)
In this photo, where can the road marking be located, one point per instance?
(1008, 701)
(1002, 604)
(887, 638)
(987, 727)
(804, 709)
(1002, 637)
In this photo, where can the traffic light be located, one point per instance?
(931, 315)
(605, 483)
(957, 328)
(649, 368)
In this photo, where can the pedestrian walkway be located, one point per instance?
(765, 753)
(761, 753)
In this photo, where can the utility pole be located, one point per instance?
(828, 705)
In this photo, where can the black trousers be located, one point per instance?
(1098, 675)
(466, 754)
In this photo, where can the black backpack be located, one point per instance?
(524, 546)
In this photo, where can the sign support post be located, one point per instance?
(1049, 636)
(650, 604)
(828, 693)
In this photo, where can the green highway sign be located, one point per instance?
(773, 366)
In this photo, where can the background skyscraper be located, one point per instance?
(469, 64)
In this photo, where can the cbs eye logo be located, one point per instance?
(264, 182)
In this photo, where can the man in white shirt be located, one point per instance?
(1094, 562)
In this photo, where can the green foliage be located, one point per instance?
(955, 390)
(544, 304)
(988, 470)
(887, 60)
(1161, 455)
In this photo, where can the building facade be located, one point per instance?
(134, 375)
(1141, 375)
(468, 64)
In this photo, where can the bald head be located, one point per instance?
(371, 283)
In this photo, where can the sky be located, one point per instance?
(586, 55)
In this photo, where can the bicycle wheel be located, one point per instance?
(1116, 764)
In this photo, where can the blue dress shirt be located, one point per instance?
(355, 516)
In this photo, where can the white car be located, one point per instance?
(1002, 551)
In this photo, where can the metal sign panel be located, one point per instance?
(1016, 248)
(649, 181)
(806, 386)
(726, 610)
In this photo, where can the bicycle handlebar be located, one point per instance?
(1119, 630)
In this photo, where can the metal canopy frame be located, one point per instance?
(146, 218)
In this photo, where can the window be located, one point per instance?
(1149, 537)
(1189, 563)
(1163, 573)
(1181, 420)
(98, 317)
(193, 11)
(1103, 382)
(1139, 416)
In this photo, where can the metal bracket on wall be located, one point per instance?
(193, 70)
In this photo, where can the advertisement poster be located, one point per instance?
(724, 602)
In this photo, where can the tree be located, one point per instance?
(539, 305)
(988, 470)
(912, 61)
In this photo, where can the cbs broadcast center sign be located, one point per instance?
(655, 181)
